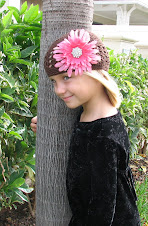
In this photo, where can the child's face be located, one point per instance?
(76, 90)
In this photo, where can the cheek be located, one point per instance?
(55, 90)
(79, 88)
(83, 94)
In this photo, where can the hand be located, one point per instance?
(34, 124)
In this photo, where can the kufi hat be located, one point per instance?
(78, 51)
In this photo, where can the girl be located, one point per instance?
(99, 180)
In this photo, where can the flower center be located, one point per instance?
(76, 52)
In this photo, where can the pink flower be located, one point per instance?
(76, 53)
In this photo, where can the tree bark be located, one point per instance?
(55, 120)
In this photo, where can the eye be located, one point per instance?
(52, 81)
(66, 78)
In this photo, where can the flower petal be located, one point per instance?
(79, 39)
(76, 71)
(59, 64)
(69, 72)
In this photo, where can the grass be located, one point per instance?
(142, 193)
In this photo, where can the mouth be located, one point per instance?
(67, 98)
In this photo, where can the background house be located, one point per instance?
(122, 24)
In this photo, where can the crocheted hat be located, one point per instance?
(78, 51)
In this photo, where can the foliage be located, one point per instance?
(19, 63)
(142, 193)
(131, 74)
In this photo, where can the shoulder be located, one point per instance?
(108, 126)
(103, 143)
(114, 128)
(111, 130)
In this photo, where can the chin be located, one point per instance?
(72, 106)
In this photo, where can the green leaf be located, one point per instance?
(25, 188)
(16, 198)
(6, 116)
(28, 51)
(8, 44)
(21, 61)
(16, 135)
(12, 8)
(31, 14)
(19, 130)
(21, 195)
(23, 8)
(15, 207)
(23, 103)
(6, 32)
(31, 171)
(9, 79)
(6, 97)
(32, 28)
(24, 145)
(39, 17)
(130, 86)
(2, 110)
(7, 19)
(15, 175)
(13, 54)
(4, 48)
(17, 17)
(18, 26)
(14, 49)
(34, 85)
(31, 164)
(30, 155)
(35, 101)
(2, 128)
(2, 3)
(26, 113)
(0, 149)
(21, 38)
(1, 27)
(16, 183)
(143, 131)
(9, 90)
(135, 134)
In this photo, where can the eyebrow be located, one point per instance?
(63, 74)
(51, 78)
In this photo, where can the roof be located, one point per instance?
(105, 11)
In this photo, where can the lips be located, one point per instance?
(67, 98)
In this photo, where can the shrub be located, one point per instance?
(131, 74)
(142, 193)
(19, 63)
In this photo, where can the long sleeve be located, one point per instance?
(103, 170)
(99, 181)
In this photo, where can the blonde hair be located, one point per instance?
(110, 85)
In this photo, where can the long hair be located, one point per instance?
(109, 84)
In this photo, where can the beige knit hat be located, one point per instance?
(78, 51)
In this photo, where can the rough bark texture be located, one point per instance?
(55, 120)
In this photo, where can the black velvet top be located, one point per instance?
(99, 181)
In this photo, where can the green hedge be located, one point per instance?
(131, 74)
(19, 66)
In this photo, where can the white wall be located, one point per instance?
(123, 38)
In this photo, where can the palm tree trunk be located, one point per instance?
(55, 121)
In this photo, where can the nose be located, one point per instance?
(59, 88)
